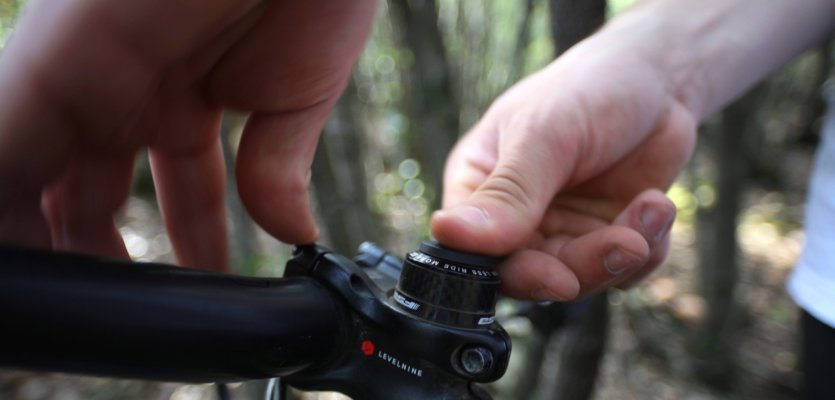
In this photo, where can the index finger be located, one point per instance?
(77, 72)
(289, 70)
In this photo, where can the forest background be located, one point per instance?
(713, 323)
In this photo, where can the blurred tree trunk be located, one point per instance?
(817, 104)
(715, 341)
(473, 92)
(430, 101)
(339, 181)
(574, 20)
(581, 347)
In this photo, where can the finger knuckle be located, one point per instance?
(509, 185)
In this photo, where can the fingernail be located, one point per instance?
(656, 222)
(473, 216)
(619, 261)
(543, 294)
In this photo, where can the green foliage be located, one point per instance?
(540, 50)
(616, 6)
(685, 201)
(8, 12)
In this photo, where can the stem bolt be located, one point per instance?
(476, 360)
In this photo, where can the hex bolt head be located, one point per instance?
(476, 360)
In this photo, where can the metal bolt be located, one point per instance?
(476, 360)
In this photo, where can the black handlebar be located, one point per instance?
(331, 324)
(87, 315)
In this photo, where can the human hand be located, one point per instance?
(86, 84)
(565, 173)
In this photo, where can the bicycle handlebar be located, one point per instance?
(87, 315)
(329, 324)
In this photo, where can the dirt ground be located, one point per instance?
(667, 309)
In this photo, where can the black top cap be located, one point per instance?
(434, 249)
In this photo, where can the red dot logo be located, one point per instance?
(367, 347)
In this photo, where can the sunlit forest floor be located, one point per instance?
(652, 326)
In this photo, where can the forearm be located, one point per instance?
(708, 52)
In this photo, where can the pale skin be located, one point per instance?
(564, 174)
(567, 169)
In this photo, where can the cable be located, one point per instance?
(274, 390)
(223, 391)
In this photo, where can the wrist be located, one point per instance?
(708, 52)
(674, 42)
